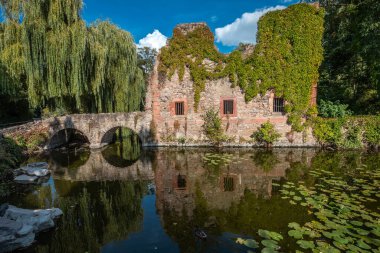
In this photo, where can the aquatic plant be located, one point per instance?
(342, 217)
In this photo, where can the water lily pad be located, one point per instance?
(268, 250)
(326, 248)
(306, 244)
(294, 225)
(250, 243)
(297, 198)
(270, 244)
(270, 235)
(363, 245)
(296, 234)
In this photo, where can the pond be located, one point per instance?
(246, 200)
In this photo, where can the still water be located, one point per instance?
(120, 200)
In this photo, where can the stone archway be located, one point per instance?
(108, 135)
(66, 136)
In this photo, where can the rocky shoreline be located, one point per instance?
(19, 227)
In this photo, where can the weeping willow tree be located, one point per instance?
(48, 52)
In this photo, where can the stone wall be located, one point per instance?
(97, 128)
(164, 92)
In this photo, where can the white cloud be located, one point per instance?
(243, 29)
(154, 40)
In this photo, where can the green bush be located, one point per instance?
(372, 131)
(353, 137)
(212, 126)
(11, 156)
(266, 134)
(328, 132)
(348, 133)
(328, 109)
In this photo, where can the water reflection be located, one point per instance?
(126, 149)
(155, 203)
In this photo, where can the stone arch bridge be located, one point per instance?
(97, 128)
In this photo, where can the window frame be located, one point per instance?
(173, 110)
(179, 106)
(278, 105)
(223, 100)
(228, 104)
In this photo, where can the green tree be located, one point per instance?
(350, 72)
(57, 61)
(212, 126)
(146, 58)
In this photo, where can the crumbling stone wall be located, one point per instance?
(164, 92)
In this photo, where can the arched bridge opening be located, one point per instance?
(125, 148)
(68, 138)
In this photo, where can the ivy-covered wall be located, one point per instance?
(286, 58)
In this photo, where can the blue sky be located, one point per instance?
(144, 17)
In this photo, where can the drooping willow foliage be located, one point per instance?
(286, 58)
(48, 51)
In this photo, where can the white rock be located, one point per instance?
(14, 235)
(39, 172)
(42, 165)
(40, 220)
(25, 179)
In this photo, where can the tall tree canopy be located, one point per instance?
(49, 54)
(350, 72)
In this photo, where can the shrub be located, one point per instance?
(351, 132)
(372, 131)
(11, 156)
(328, 132)
(212, 126)
(266, 134)
(181, 140)
(328, 109)
(353, 136)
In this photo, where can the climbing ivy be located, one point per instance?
(288, 55)
(286, 58)
(57, 61)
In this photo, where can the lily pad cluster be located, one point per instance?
(345, 212)
(269, 241)
(217, 159)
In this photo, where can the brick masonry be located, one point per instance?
(247, 117)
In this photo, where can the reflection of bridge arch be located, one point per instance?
(97, 168)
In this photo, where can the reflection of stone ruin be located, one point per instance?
(98, 169)
(178, 174)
